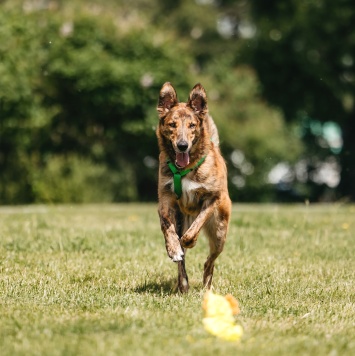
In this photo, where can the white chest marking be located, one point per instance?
(189, 185)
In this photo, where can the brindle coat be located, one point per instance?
(205, 202)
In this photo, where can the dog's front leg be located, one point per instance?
(189, 239)
(167, 214)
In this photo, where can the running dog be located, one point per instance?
(192, 188)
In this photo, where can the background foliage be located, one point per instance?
(80, 80)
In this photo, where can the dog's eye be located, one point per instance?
(172, 125)
(192, 126)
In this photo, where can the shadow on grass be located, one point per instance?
(158, 287)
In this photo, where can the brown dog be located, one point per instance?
(192, 189)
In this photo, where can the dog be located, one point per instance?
(192, 183)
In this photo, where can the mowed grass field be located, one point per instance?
(95, 280)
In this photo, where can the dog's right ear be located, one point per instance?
(198, 100)
(167, 99)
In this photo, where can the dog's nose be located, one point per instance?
(182, 146)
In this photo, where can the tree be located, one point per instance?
(80, 82)
(304, 53)
(254, 137)
(77, 103)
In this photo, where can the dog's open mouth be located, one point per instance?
(182, 159)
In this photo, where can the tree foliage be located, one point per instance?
(80, 82)
(304, 55)
(78, 88)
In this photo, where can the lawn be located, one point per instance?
(95, 280)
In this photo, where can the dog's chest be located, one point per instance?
(189, 186)
(191, 193)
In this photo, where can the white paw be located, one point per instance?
(178, 256)
(174, 249)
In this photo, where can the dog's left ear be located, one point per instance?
(198, 100)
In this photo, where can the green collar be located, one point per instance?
(179, 174)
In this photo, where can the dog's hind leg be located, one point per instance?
(216, 231)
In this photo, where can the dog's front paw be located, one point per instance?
(188, 241)
(174, 250)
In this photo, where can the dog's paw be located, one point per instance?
(178, 257)
(188, 241)
(174, 250)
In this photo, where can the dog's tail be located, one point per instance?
(213, 130)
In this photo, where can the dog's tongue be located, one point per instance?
(182, 159)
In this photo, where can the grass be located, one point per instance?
(95, 280)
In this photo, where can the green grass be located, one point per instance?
(95, 280)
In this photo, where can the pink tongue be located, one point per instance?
(182, 159)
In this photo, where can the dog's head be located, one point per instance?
(180, 123)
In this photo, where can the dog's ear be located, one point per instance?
(198, 100)
(167, 99)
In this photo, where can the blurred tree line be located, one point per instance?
(80, 81)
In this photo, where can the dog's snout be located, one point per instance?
(182, 146)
